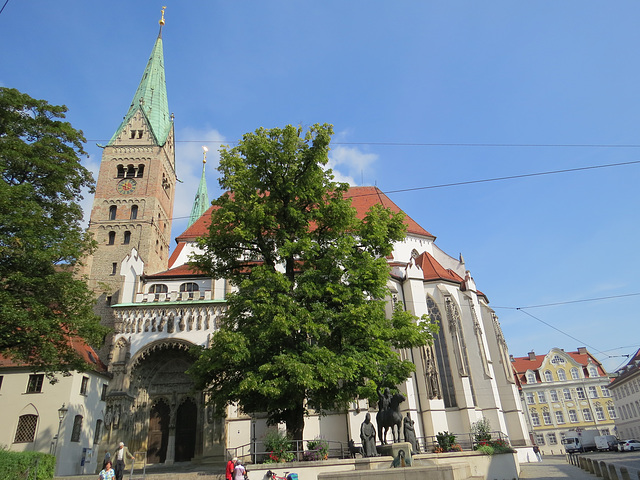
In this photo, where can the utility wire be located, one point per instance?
(571, 301)
(565, 333)
(5, 4)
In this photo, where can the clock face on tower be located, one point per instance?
(126, 186)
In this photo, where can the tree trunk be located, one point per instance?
(295, 423)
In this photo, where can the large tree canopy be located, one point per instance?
(42, 304)
(306, 327)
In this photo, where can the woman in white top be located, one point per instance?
(239, 471)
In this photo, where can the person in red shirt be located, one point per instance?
(231, 465)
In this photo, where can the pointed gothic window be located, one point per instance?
(113, 210)
(134, 212)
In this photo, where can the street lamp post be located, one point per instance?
(62, 412)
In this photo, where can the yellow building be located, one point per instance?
(563, 391)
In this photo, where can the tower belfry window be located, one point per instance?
(120, 171)
(131, 171)
(134, 212)
(112, 212)
(140, 171)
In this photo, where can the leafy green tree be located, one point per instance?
(306, 327)
(42, 303)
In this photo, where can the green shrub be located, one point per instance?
(278, 444)
(318, 449)
(486, 449)
(22, 465)
(481, 430)
(445, 441)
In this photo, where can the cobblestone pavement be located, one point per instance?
(552, 467)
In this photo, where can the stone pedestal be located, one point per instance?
(393, 449)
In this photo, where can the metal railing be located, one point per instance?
(256, 452)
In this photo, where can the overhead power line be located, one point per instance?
(572, 301)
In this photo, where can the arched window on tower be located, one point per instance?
(131, 171)
(120, 171)
(134, 212)
(112, 238)
(140, 171)
(127, 238)
(113, 210)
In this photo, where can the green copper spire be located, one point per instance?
(201, 202)
(151, 97)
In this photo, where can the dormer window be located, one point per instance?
(531, 377)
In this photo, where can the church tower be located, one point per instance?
(133, 203)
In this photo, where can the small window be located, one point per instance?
(586, 413)
(542, 398)
(134, 212)
(600, 414)
(580, 392)
(562, 376)
(133, 134)
(530, 398)
(98, 434)
(103, 396)
(113, 211)
(573, 416)
(0, 382)
(127, 238)
(548, 376)
(611, 410)
(114, 268)
(559, 416)
(84, 385)
(140, 171)
(189, 287)
(539, 439)
(112, 238)
(139, 133)
(109, 299)
(605, 391)
(120, 171)
(26, 431)
(554, 395)
(593, 372)
(158, 288)
(35, 383)
(131, 171)
(553, 440)
(77, 428)
(535, 419)
(567, 393)
(547, 418)
(593, 392)
(574, 373)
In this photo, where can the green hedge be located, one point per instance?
(17, 465)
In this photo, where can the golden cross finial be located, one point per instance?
(161, 22)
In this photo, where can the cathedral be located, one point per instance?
(159, 308)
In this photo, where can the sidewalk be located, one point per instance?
(552, 467)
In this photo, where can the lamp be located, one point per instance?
(62, 412)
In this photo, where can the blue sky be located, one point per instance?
(421, 94)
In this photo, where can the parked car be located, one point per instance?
(621, 446)
(631, 445)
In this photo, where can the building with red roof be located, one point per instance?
(31, 405)
(563, 392)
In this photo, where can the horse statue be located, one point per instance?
(390, 418)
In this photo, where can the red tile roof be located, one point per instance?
(362, 199)
(432, 270)
(185, 270)
(522, 364)
(84, 351)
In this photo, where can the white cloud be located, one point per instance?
(348, 163)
